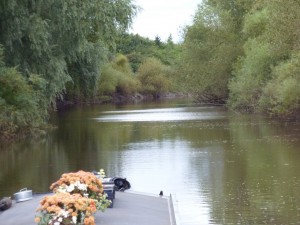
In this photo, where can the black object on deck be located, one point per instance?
(121, 184)
(111, 185)
(5, 203)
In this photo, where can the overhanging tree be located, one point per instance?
(211, 46)
(62, 40)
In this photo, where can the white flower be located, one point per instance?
(64, 213)
(56, 223)
(82, 187)
(60, 219)
(70, 188)
(61, 189)
(74, 219)
(102, 173)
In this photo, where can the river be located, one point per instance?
(220, 167)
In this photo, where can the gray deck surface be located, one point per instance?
(128, 209)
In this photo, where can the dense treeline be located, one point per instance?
(73, 51)
(245, 53)
(153, 62)
(51, 49)
(22, 101)
(118, 82)
(242, 53)
(138, 48)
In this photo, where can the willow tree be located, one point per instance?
(52, 43)
(21, 101)
(117, 78)
(267, 77)
(211, 46)
(281, 95)
(154, 77)
(62, 40)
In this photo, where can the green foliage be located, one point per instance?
(121, 64)
(255, 23)
(235, 9)
(127, 85)
(165, 56)
(211, 46)
(157, 41)
(108, 81)
(117, 78)
(266, 76)
(135, 59)
(138, 48)
(251, 74)
(65, 43)
(283, 27)
(62, 40)
(21, 101)
(282, 93)
(245, 52)
(153, 76)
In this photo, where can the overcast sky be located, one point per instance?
(163, 17)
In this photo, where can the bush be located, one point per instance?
(281, 95)
(22, 102)
(108, 81)
(153, 76)
(117, 78)
(250, 76)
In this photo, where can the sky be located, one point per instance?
(163, 17)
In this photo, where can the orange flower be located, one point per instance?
(37, 219)
(87, 178)
(72, 201)
(89, 220)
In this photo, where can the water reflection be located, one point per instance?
(221, 168)
(161, 115)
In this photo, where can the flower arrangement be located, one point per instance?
(76, 197)
(66, 208)
(84, 183)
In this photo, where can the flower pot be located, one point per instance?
(23, 195)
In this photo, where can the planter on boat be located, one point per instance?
(23, 195)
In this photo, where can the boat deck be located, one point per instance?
(129, 209)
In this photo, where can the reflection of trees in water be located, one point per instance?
(246, 167)
(260, 174)
(31, 164)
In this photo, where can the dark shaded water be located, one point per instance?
(221, 167)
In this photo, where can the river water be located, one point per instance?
(220, 167)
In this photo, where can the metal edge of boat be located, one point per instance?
(172, 206)
(173, 210)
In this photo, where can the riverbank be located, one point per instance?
(129, 208)
(120, 99)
